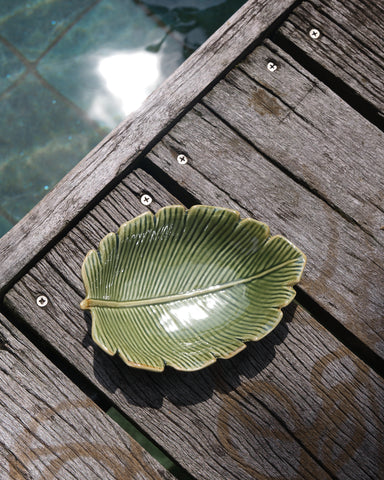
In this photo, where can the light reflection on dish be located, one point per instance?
(192, 315)
(182, 316)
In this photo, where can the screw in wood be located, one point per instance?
(272, 66)
(182, 159)
(146, 199)
(42, 301)
(314, 33)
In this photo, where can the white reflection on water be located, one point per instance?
(130, 77)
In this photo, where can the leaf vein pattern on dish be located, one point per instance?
(183, 288)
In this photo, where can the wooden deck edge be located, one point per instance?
(117, 152)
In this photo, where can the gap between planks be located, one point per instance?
(348, 52)
(45, 422)
(364, 107)
(307, 349)
(326, 319)
(116, 155)
(89, 389)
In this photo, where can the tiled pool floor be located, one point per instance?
(70, 71)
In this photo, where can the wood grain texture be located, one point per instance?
(351, 44)
(342, 273)
(295, 405)
(125, 144)
(50, 430)
(307, 130)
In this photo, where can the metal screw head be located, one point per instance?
(146, 199)
(272, 66)
(182, 159)
(314, 33)
(42, 301)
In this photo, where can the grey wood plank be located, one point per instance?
(351, 43)
(342, 272)
(280, 409)
(309, 131)
(49, 429)
(116, 153)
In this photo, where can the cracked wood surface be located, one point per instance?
(49, 429)
(308, 131)
(279, 409)
(296, 173)
(350, 45)
(278, 146)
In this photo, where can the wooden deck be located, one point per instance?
(284, 124)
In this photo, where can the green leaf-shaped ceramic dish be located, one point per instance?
(184, 287)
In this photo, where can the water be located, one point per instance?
(70, 71)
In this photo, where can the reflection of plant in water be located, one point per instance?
(193, 19)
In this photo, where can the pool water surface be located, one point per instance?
(72, 70)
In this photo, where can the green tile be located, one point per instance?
(10, 68)
(113, 27)
(43, 138)
(31, 26)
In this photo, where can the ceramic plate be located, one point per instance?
(185, 287)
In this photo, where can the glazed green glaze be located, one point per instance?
(184, 287)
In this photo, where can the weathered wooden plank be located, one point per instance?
(309, 131)
(350, 45)
(125, 144)
(282, 408)
(49, 429)
(342, 273)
